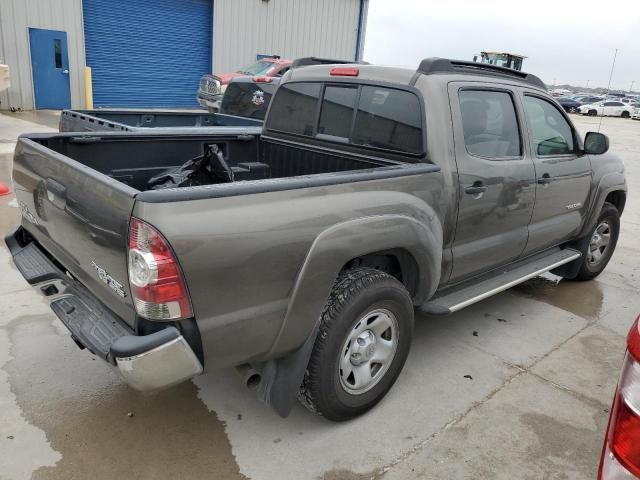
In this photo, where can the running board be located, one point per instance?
(460, 296)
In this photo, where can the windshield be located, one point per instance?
(259, 68)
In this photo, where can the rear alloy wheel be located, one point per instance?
(625, 114)
(364, 339)
(602, 242)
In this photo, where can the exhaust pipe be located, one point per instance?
(249, 376)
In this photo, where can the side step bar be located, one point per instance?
(460, 296)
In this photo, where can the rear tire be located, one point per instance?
(365, 335)
(625, 114)
(601, 243)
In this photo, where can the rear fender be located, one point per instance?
(331, 250)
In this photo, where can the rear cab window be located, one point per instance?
(247, 99)
(370, 116)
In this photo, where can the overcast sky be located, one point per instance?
(570, 41)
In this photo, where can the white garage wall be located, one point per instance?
(289, 28)
(16, 16)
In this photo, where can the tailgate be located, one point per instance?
(80, 217)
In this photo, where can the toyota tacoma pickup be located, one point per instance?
(370, 192)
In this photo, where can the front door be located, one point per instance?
(50, 67)
(495, 176)
(563, 174)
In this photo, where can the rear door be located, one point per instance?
(495, 175)
(563, 174)
(79, 216)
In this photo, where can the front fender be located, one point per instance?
(609, 182)
(338, 244)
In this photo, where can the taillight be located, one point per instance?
(344, 72)
(155, 279)
(621, 455)
(262, 79)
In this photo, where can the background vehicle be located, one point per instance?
(621, 449)
(570, 105)
(588, 100)
(608, 108)
(249, 96)
(212, 87)
(501, 59)
(301, 261)
(131, 121)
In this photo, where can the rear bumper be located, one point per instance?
(146, 362)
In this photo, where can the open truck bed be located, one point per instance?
(136, 120)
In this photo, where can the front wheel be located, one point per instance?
(625, 114)
(593, 113)
(365, 335)
(602, 242)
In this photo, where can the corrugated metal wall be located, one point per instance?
(156, 59)
(289, 28)
(16, 16)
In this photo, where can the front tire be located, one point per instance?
(593, 113)
(365, 335)
(602, 240)
(625, 114)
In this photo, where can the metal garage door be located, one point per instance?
(147, 53)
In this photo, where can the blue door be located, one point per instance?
(50, 67)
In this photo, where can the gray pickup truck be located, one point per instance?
(371, 191)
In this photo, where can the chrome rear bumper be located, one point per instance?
(163, 366)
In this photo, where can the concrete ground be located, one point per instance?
(517, 386)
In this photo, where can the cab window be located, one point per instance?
(552, 134)
(365, 115)
(490, 124)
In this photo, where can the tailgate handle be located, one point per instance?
(56, 193)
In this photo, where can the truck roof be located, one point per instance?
(406, 75)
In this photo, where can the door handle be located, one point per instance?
(66, 72)
(475, 189)
(545, 179)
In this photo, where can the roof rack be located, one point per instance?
(432, 65)
(307, 61)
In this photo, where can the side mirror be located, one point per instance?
(596, 143)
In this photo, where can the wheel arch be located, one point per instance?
(415, 246)
(611, 188)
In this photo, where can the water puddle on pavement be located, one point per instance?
(584, 299)
(104, 429)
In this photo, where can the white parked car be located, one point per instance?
(608, 108)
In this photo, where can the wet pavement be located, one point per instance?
(517, 386)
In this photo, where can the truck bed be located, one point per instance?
(136, 120)
(133, 160)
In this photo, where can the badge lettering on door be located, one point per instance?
(109, 280)
(573, 206)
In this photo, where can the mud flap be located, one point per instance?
(281, 378)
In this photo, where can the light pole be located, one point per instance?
(588, 83)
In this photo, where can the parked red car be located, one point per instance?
(212, 87)
(621, 450)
